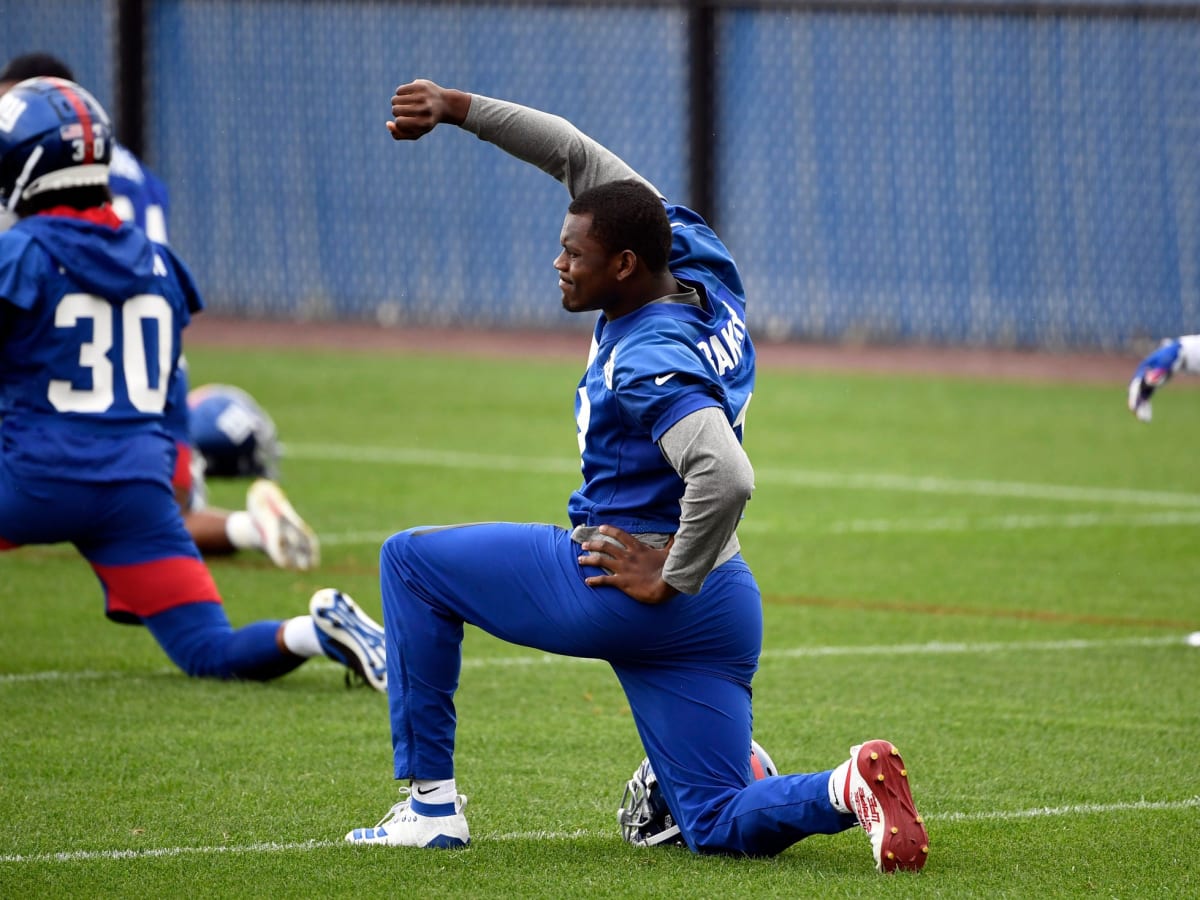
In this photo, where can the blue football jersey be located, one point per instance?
(650, 368)
(91, 318)
(139, 196)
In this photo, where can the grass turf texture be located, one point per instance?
(996, 576)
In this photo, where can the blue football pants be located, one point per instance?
(685, 666)
(151, 573)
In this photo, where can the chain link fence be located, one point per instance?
(946, 173)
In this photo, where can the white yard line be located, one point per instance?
(922, 484)
(1166, 519)
(949, 818)
(931, 525)
(542, 659)
(530, 659)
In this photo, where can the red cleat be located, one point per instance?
(877, 792)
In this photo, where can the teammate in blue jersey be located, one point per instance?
(268, 523)
(650, 578)
(1181, 354)
(91, 319)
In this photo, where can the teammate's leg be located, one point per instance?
(152, 573)
(200, 640)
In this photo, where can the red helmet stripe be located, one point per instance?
(85, 118)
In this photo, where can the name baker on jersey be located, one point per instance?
(722, 350)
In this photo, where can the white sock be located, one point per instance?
(433, 791)
(300, 637)
(837, 787)
(242, 532)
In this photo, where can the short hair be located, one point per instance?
(628, 215)
(36, 65)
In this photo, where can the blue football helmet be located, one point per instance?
(643, 815)
(54, 135)
(235, 436)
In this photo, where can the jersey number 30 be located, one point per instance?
(136, 313)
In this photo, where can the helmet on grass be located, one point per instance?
(234, 434)
(643, 815)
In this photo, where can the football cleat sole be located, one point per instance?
(881, 799)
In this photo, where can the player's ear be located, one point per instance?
(625, 263)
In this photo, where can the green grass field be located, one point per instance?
(996, 576)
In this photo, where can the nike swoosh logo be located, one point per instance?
(422, 792)
(663, 379)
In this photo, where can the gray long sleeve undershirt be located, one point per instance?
(701, 447)
(718, 481)
(547, 141)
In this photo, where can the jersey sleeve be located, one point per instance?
(664, 381)
(187, 284)
(20, 265)
(699, 256)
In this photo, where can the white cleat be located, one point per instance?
(286, 537)
(403, 827)
(877, 793)
(349, 636)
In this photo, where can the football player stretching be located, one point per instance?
(91, 319)
(650, 578)
(268, 522)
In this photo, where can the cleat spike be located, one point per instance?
(349, 636)
(878, 781)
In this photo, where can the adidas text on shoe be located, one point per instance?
(349, 636)
(286, 537)
(405, 827)
(877, 792)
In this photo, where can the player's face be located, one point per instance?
(586, 270)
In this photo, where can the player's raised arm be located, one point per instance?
(547, 141)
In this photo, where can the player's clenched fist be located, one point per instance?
(420, 106)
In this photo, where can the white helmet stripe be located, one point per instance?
(19, 186)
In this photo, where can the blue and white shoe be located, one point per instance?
(349, 636)
(404, 826)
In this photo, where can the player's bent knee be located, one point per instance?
(393, 548)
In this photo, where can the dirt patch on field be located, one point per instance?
(967, 363)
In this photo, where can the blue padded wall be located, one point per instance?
(924, 174)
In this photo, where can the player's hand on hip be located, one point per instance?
(630, 565)
(420, 106)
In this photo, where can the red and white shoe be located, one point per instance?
(877, 792)
(286, 537)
